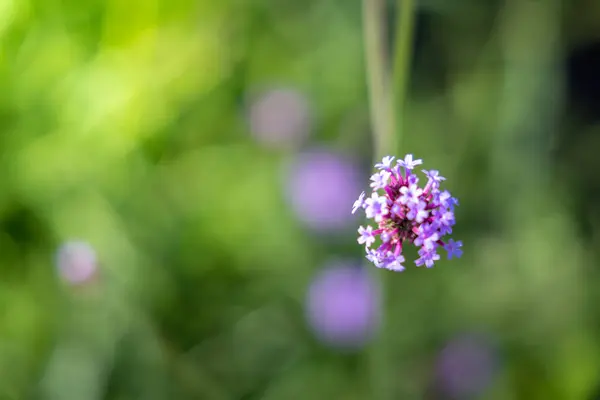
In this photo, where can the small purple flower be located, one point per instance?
(409, 194)
(342, 306)
(431, 242)
(395, 264)
(434, 179)
(398, 210)
(417, 212)
(434, 175)
(366, 236)
(388, 260)
(423, 234)
(380, 179)
(373, 256)
(445, 217)
(376, 207)
(428, 257)
(453, 249)
(76, 262)
(412, 179)
(408, 162)
(406, 213)
(443, 197)
(386, 163)
(452, 202)
(358, 203)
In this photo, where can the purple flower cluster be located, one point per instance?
(405, 212)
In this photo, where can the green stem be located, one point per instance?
(383, 100)
(403, 41)
(382, 118)
(383, 137)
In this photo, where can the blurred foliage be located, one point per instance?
(125, 124)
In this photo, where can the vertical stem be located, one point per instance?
(382, 104)
(382, 118)
(381, 127)
(403, 43)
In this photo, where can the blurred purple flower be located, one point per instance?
(279, 118)
(466, 366)
(76, 262)
(342, 306)
(320, 185)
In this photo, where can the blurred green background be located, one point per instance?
(176, 180)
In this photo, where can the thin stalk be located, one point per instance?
(378, 79)
(383, 142)
(384, 99)
(403, 49)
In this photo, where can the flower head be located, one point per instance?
(406, 213)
